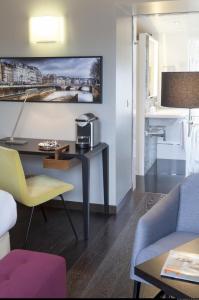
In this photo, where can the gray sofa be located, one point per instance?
(173, 221)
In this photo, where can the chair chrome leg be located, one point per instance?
(43, 213)
(69, 217)
(136, 289)
(29, 224)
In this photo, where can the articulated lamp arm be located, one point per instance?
(18, 118)
(11, 140)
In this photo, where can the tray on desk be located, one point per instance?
(53, 162)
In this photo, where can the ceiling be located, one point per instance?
(170, 23)
(164, 6)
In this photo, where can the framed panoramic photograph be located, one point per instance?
(51, 79)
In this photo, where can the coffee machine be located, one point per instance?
(87, 131)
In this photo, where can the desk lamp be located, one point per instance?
(12, 140)
(180, 90)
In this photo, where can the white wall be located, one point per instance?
(135, 95)
(124, 97)
(170, 57)
(141, 102)
(87, 34)
(90, 30)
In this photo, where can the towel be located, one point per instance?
(192, 151)
(183, 133)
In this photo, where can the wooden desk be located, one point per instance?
(84, 155)
(150, 271)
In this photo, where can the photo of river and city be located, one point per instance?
(61, 79)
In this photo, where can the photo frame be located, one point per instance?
(51, 79)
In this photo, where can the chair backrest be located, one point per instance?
(12, 178)
(188, 216)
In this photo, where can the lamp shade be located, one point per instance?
(180, 89)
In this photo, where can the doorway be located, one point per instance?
(162, 42)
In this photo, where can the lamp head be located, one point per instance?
(180, 89)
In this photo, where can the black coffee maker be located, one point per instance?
(87, 131)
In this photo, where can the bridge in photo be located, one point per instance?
(16, 89)
(18, 92)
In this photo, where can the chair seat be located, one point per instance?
(42, 188)
(165, 244)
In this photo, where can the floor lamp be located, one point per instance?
(180, 90)
(11, 140)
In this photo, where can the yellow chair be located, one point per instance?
(32, 191)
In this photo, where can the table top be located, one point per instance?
(31, 148)
(150, 271)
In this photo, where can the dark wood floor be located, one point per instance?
(98, 268)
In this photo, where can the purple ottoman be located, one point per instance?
(28, 274)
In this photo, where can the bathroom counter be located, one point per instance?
(168, 113)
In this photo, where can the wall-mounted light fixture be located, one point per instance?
(46, 29)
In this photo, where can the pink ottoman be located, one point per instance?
(28, 274)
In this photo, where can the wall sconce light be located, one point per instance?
(46, 29)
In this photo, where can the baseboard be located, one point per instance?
(126, 198)
(96, 208)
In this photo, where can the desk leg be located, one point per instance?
(86, 188)
(105, 161)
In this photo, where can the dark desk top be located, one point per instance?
(31, 148)
(150, 271)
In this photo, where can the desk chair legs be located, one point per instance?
(136, 289)
(45, 218)
(29, 224)
(69, 217)
(43, 213)
(30, 221)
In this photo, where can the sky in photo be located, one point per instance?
(72, 67)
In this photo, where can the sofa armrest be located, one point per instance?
(8, 212)
(158, 222)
